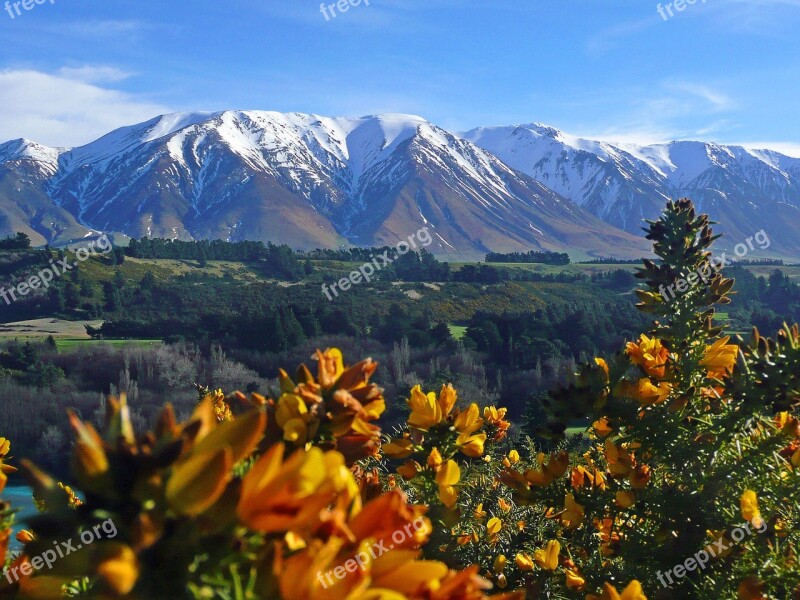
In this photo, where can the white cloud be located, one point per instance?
(68, 108)
(94, 74)
(716, 100)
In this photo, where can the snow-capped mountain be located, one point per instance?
(744, 190)
(305, 180)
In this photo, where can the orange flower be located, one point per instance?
(469, 421)
(388, 514)
(25, 536)
(546, 474)
(282, 496)
(401, 448)
(644, 391)
(409, 469)
(788, 424)
(608, 534)
(620, 461)
(582, 477)
(499, 564)
(495, 418)
(650, 354)
(435, 460)
(601, 427)
(293, 417)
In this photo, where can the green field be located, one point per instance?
(71, 343)
(543, 269)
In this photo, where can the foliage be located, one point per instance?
(18, 242)
(547, 258)
(258, 505)
(694, 438)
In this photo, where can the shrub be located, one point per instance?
(684, 486)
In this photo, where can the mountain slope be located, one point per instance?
(312, 181)
(25, 169)
(745, 190)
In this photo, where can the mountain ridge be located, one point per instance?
(745, 190)
(315, 181)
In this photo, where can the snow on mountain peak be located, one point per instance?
(23, 149)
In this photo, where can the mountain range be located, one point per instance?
(319, 182)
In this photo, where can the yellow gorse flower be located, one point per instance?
(401, 448)
(471, 444)
(574, 580)
(292, 417)
(330, 366)
(493, 526)
(547, 558)
(720, 357)
(499, 564)
(644, 391)
(524, 562)
(5, 447)
(632, 592)
(547, 472)
(435, 459)
(625, 498)
(279, 496)
(750, 512)
(428, 410)
(446, 478)
(25, 536)
(469, 421)
(650, 355)
(573, 515)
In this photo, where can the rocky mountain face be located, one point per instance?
(744, 190)
(304, 180)
(318, 182)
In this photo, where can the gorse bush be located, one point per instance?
(684, 486)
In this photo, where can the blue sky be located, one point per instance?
(723, 70)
